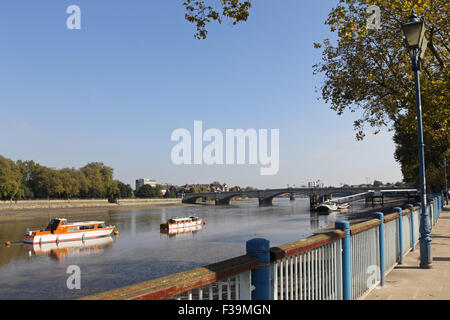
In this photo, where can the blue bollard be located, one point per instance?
(400, 233)
(411, 207)
(346, 264)
(380, 216)
(260, 249)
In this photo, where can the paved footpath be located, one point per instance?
(409, 282)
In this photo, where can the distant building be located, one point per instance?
(142, 182)
(316, 184)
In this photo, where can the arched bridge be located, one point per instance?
(266, 196)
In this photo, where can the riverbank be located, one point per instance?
(26, 209)
(43, 208)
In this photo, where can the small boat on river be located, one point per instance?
(180, 223)
(326, 208)
(59, 230)
(343, 206)
(61, 250)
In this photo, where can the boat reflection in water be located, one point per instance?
(186, 231)
(61, 250)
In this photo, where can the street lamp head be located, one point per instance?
(414, 35)
(414, 31)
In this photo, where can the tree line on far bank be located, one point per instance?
(27, 180)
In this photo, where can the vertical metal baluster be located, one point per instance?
(333, 273)
(330, 248)
(302, 276)
(236, 283)
(316, 274)
(313, 275)
(200, 294)
(275, 280)
(219, 285)
(281, 279)
(361, 260)
(309, 275)
(292, 278)
(228, 289)
(210, 292)
(296, 277)
(320, 272)
(286, 279)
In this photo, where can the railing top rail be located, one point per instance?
(391, 216)
(293, 248)
(172, 285)
(408, 211)
(363, 226)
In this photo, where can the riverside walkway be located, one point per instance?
(408, 282)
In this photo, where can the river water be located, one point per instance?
(141, 252)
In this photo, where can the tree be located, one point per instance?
(201, 14)
(126, 191)
(170, 194)
(147, 191)
(370, 71)
(377, 183)
(70, 182)
(10, 180)
(96, 186)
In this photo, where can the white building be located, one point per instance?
(316, 184)
(142, 182)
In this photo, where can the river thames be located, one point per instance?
(141, 252)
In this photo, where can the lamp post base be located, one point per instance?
(426, 266)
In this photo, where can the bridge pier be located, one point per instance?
(223, 202)
(265, 202)
(316, 199)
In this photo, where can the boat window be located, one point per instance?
(54, 224)
(87, 227)
(76, 228)
(101, 225)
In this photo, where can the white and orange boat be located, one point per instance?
(59, 230)
(62, 250)
(180, 223)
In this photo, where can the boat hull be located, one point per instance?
(66, 237)
(166, 226)
(326, 209)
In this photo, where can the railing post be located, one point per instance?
(400, 233)
(260, 277)
(346, 264)
(380, 216)
(431, 213)
(411, 216)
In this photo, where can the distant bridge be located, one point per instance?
(266, 196)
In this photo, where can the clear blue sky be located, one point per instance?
(116, 89)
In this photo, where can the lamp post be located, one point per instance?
(414, 32)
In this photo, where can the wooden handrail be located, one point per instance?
(172, 285)
(293, 248)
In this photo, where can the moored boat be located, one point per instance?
(343, 206)
(61, 250)
(59, 230)
(326, 207)
(179, 223)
